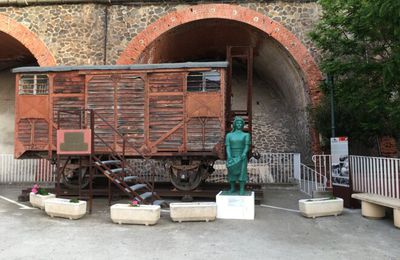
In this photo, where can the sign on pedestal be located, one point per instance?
(234, 206)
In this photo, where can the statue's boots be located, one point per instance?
(232, 190)
(242, 191)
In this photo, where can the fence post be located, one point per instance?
(296, 166)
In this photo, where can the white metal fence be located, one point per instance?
(27, 170)
(376, 175)
(269, 168)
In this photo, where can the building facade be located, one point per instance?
(286, 76)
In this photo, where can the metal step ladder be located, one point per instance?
(136, 188)
(112, 163)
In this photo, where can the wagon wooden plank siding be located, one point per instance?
(164, 110)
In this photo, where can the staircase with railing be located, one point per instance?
(311, 181)
(112, 163)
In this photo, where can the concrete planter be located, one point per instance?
(193, 211)
(38, 200)
(144, 214)
(312, 208)
(64, 209)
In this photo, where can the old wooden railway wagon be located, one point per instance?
(174, 112)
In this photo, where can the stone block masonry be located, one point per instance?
(93, 33)
(75, 33)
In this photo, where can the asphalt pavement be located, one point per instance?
(278, 232)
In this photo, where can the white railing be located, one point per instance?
(26, 170)
(322, 165)
(311, 181)
(269, 168)
(376, 175)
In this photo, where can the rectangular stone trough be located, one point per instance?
(318, 207)
(38, 200)
(62, 208)
(193, 211)
(144, 214)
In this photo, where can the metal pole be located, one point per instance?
(332, 89)
(91, 166)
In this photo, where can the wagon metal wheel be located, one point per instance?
(186, 177)
(70, 177)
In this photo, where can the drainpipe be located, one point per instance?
(105, 35)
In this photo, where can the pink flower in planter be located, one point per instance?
(134, 203)
(35, 188)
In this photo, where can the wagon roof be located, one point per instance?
(218, 64)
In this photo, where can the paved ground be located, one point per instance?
(274, 234)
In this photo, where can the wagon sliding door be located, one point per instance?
(119, 100)
(165, 115)
(205, 111)
(186, 119)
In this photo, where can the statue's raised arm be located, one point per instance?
(237, 145)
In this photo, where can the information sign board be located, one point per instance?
(340, 162)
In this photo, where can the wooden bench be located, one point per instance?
(373, 206)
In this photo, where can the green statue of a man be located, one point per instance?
(237, 145)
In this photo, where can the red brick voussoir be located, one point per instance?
(231, 12)
(27, 38)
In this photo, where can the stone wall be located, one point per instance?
(83, 34)
(72, 33)
(75, 34)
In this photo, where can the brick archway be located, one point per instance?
(230, 12)
(28, 39)
(288, 40)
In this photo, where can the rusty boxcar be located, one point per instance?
(173, 111)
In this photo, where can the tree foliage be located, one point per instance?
(360, 43)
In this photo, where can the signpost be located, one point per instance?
(341, 179)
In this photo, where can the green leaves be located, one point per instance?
(360, 43)
(42, 191)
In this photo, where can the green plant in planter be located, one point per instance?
(40, 191)
(74, 200)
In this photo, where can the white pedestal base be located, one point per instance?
(235, 206)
